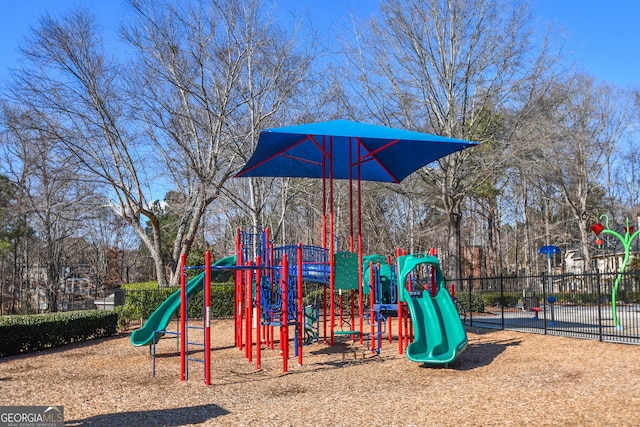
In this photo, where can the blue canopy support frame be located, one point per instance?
(331, 150)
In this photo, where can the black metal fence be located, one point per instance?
(575, 305)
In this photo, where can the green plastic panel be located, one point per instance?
(346, 270)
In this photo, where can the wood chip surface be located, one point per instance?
(504, 378)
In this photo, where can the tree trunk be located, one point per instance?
(492, 232)
(584, 244)
(454, 261)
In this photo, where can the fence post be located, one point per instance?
(502, 301)
(470, 278)
(544, 300)
(599, 295)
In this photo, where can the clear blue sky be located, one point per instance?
(603, 34)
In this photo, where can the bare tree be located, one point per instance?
(51, 188)
(447, 67)
(275, 78)
(185, 82)
(203, 77)
(576, 136)
(77, 94)
(213, 74)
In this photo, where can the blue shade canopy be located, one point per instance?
(336, 147)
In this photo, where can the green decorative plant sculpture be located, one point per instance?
(626, 240)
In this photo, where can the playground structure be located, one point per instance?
(270, 281)
(412, 289)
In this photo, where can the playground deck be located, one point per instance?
(504, 378)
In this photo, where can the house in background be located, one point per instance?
(603, 262)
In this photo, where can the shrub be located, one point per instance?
(222, 299)
(140, 286)
(126, 313)
(140, 303)
(24, 333)
(507, 299)
(476, 304)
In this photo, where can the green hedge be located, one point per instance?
(140, 286)
(630, 297)
(222, 299)
(507, 299)
(476, 304)
(139, 304)
(24, 333)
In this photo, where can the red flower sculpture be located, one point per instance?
(597, 228)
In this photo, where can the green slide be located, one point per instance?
(439, 337)
(161, 317)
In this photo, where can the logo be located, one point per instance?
(31, 416)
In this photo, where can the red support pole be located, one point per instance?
(332, 282)
(324, 312)
(240, 308)
(400, 337)
(360, 250)
(324, 237)
(340, 311)
(265, 336)
(237, 311)
(389, 321)
(399, 287)
(353, 311)
(351, 242)
(183, 319)
(434, 291)
(406, 326)
(248, 306)
(324, 195)
(360, 289)
(300, 308)
(372, 320)
(284, 330)
(268, 262)
(378, 321)
(332, 273)
(258, 316)
(207, 318)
